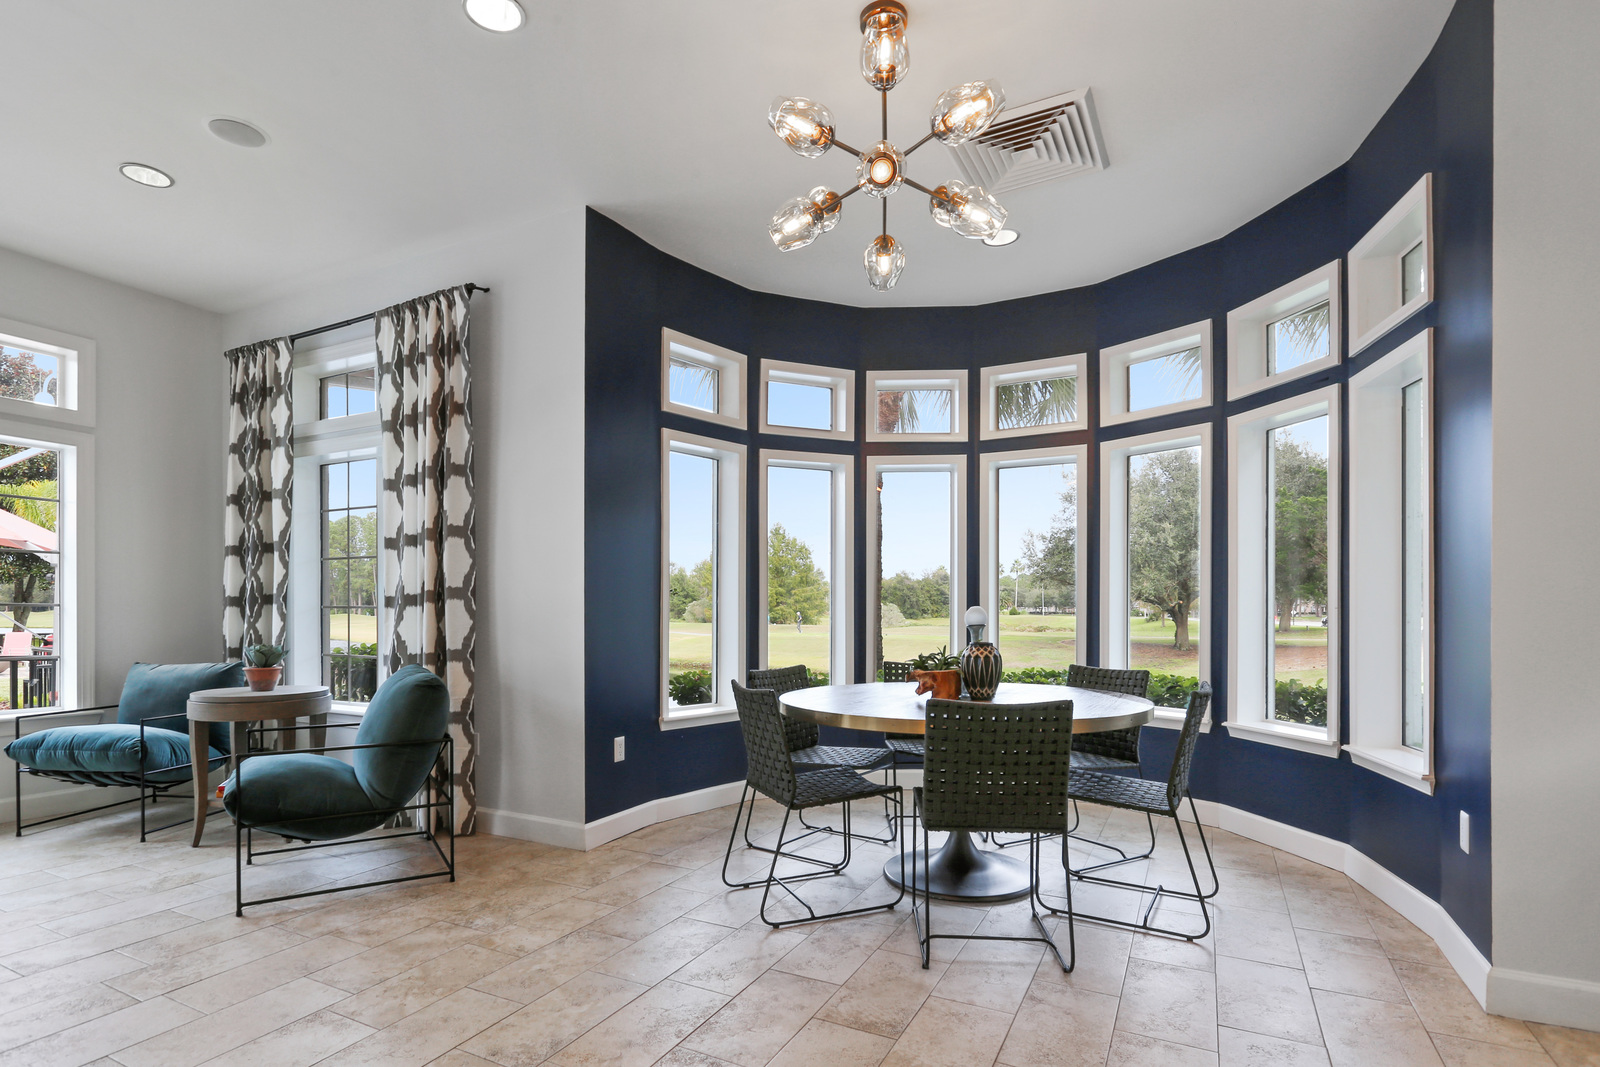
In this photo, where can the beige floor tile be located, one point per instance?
(832, 951)
(987, 983)
(200, 1040)
(535, 1033)
(390, 1001)
(531, 977)
(825, 1043)
(1200, 954)
(1351, 922)
(1403, 941)
(268, 972)
(736, 961)
(457, 1058)
(1357, 966)
(1569, 1048)
(94, 942)
(645, 1029)
(200, 964)
(21, 1025)
(657, 955)
(1262, 936)
(427, 1034)
(123, 911)
(945, 1033)
(1445, 1006)
(1102, 959)
(59, 981)
(1465, 1052)
(1265, 999)
(1239, 1048)
(378, 964)
(752, 1027)
(1136, 1050)
(299, 1044)
(629, 886)
(586, 869)
(1363, 1033)
(683, 1056)
(1169, 1003)
(544, 926)
(1060, 1026)
(884, 993)
(951, 923)
(649, 913)
(203, 935)
(100, 1037)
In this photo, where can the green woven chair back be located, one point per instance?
(1115, 744)
(997, 767)
(895, 670)
(1183, 757)
(769, 770)
(783, 680)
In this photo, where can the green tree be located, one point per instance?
(1164, 535)
(1051, 559)
(927, 597)
(23, 379)
(1300, 527)
(680, 593)
(28, 489)
(1037, 403)
(795, 585)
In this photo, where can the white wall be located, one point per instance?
(526, 344)
(1546, 717)
(159, 456)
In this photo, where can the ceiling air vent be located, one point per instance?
(1032, 143)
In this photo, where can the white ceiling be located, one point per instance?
(396, 125)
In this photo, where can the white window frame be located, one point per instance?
(1114, 456)
(732, 372)
(1249, 711)
(1248, 326)
(1115, 361)
(990, 464)
(75, 573)
(1375, 284)
(841, 382)
(883, 380)
(957, 466)
(76, 361)
(841, 553)
(1035, 370)
(728, 613)
(317, 442)
(1375, 610)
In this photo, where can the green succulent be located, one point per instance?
(941, 660)
(264, 655)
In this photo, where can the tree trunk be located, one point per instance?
(1286, 616)
(1180, 626)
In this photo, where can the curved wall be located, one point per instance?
(1440, 123)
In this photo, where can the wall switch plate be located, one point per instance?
(1466, 832)
(618, 755)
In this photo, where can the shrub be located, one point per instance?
(1166, 690)
(891, 615)
(699, 611)
(690, 688)
(1296, 702)
(1014, 611)
(817, 677)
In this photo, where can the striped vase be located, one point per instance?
(980, 670)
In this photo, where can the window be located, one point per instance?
(1156, 375)
(702, 380)
(915, 547)
(1391, 565)
(30, 563)
(702, 589)
(1289, 333)
(46, 374)
(1155, 557)
(1030, 398)
(1284, 552)
(349, 521)
(1391, 268)
(916, 407)
(806, 501)
(806, 401)
(348, 393)
(1033, 568)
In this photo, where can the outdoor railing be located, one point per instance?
(33, 680)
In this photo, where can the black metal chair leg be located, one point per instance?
(1125, 858)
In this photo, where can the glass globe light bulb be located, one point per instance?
(967, 209)
(804, 125)
(797, 223)
(966, 111)
(885, 56)
(829, 203)
(884, 259)
(881, 170)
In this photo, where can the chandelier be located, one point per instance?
(959, 115)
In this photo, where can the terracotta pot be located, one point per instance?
(262, 679)
(944, 685)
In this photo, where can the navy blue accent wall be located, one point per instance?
(1440, 123)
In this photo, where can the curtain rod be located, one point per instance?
(471, 287)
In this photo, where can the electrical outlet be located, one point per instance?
(1466, 832)
(618, 754)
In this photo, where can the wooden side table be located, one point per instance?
(241, 707)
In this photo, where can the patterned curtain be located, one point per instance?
(429, 555)
(260, 475)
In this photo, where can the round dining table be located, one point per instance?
(959, 870)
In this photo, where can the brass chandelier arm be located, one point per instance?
(924, 189)
(925, 139)
(853, 189)
(884, 96)
(844, 147)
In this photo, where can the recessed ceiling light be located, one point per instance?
(146, 175)
(1001, 239)
(501, 16)
(236, 132)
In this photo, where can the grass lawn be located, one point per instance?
(364, 629)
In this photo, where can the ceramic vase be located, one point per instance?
(980, 666)
(944, 685)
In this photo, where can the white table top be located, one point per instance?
(243, 704)
(895, 707)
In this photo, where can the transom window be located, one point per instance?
(916, 407)
(349, 522)
(29, 376)
(692, 384)
(805, 400)
(1291, 332)
(30, 563)
(1155, 375)
(1413, 273)
(352, 392)
(702, 380)
(1159, 381)
(1029, 398)
(46, 374)
(1297, 339)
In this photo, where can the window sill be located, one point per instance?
(1301, 739)
(704, 717)
(1172, 719)
(1406, 766)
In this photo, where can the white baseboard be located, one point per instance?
(563, 833)
(1543, 998)
(571, 834)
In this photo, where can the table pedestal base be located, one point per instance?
(959, 870)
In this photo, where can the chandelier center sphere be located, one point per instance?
(882, 169)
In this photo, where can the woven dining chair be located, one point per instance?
(997, 768)
(772, 772)
(1112, 750)
(1153, 798)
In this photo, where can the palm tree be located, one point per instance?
(693, 384)
(1044, 402)
(1306, 331)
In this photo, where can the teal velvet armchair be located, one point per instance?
(146, 748)
(321, 800)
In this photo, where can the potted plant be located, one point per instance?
(263, 665)
(938, 673)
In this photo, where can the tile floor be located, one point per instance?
(113, 952)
